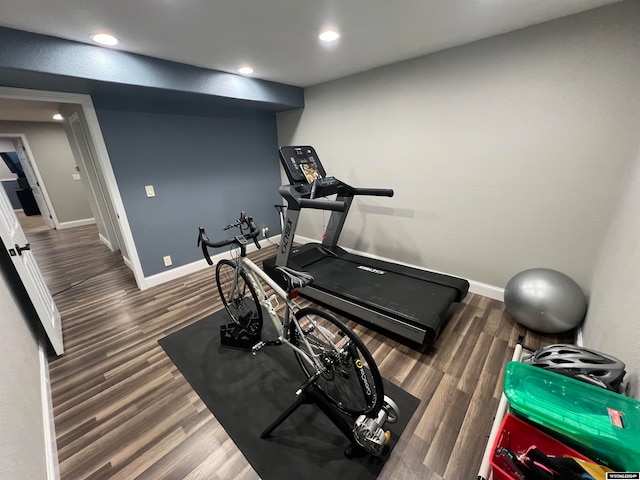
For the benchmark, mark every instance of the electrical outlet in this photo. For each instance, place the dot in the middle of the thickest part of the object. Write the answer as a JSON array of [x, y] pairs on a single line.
[[150, 191], [265, 231], [167, 261]]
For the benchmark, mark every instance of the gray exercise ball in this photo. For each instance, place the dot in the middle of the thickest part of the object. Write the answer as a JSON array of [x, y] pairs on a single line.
[[545, 300]]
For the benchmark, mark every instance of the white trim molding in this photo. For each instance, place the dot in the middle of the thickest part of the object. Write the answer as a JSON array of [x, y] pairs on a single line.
[[479, 288], [77, 223], [177, 272], [107, 243], [486, 290], [50, 444]]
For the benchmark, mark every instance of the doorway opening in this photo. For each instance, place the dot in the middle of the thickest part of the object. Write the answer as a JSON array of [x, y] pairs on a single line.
[[92, 166], [23, 183]]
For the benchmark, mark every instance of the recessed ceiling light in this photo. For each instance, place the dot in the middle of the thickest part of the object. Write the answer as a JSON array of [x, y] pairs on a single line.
[[246, 70], [105, 39], [58, 117], [329, 36]]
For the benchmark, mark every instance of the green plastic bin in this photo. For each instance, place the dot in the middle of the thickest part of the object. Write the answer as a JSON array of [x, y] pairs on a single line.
[[601, 424]]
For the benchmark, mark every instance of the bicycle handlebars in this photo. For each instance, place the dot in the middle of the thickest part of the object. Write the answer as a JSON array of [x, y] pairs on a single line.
[[240, 240]]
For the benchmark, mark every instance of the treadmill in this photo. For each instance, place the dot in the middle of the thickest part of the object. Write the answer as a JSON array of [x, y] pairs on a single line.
[[407, 301]]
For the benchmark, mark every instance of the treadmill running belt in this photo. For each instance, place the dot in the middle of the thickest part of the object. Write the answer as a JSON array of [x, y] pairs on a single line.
[[415, 300]]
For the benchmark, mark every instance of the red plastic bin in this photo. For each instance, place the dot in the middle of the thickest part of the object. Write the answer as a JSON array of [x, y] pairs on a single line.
[[520, 436]]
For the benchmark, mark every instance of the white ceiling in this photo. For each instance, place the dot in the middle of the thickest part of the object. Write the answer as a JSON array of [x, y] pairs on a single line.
[[279, 37], [27, 111]]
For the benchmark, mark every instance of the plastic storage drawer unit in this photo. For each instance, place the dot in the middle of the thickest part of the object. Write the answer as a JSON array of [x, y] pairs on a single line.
[[518, 436], [603, 425]]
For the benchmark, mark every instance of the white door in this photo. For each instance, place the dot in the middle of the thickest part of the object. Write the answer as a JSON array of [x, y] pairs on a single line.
[[30, 173], [105, 218], [16, 245]]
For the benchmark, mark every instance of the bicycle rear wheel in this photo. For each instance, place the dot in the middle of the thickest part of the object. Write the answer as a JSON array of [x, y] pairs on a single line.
[[351, 380], [241, 303]]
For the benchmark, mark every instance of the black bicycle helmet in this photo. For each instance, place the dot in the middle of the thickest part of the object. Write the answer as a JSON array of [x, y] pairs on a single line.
[[581, 363]]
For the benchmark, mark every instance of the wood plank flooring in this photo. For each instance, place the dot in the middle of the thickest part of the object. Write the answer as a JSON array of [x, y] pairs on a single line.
[[123, 410]]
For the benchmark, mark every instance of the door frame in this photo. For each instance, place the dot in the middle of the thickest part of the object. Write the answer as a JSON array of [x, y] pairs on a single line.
[[105, 216], [34, 167], [102, 163]]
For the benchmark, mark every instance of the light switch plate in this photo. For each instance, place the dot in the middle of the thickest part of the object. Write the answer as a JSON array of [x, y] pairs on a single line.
[[167, 261], [150, 191]]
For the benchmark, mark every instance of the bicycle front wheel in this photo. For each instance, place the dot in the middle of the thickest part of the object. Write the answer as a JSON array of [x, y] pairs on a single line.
[[350, 379], [239, 297]]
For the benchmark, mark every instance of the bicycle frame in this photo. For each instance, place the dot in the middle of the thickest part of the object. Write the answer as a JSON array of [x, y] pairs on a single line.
[[282, 327], [366, 432]]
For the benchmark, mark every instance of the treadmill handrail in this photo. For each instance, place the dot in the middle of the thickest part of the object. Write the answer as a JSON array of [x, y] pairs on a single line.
[[373, 192], [295, 201], [334, 205]]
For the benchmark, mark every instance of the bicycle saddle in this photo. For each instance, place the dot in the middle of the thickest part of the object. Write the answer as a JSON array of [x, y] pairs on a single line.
[[294, 278]]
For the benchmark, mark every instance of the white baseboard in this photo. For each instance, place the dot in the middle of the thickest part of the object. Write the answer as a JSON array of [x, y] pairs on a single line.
[[485, 290], [479, 288], [106, 242], [50, 444], [76, 223], [181, 271], [127, 262], [18, 209]]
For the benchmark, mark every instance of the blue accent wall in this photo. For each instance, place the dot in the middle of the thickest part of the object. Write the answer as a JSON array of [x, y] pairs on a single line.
[[205, 166], [206, 140]]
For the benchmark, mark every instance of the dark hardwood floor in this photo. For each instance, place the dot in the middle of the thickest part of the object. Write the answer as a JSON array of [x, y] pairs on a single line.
[[122, 409]]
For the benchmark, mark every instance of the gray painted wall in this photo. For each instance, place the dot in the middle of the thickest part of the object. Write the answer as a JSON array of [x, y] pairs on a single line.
[[22, 450], [205, 170], [505, 154], [612, 324], [56, 164]]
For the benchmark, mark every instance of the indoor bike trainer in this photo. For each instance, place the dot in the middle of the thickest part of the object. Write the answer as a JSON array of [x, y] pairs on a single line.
[[407, 301]]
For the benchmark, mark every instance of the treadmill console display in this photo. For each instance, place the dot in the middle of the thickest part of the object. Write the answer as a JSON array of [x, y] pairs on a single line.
[[301, 164]]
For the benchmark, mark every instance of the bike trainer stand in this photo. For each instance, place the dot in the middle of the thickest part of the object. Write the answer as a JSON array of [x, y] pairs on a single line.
[[233, 336], [310, 394]]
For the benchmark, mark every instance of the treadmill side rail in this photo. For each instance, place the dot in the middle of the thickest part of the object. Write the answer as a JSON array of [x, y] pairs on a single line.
[[387, 322]]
